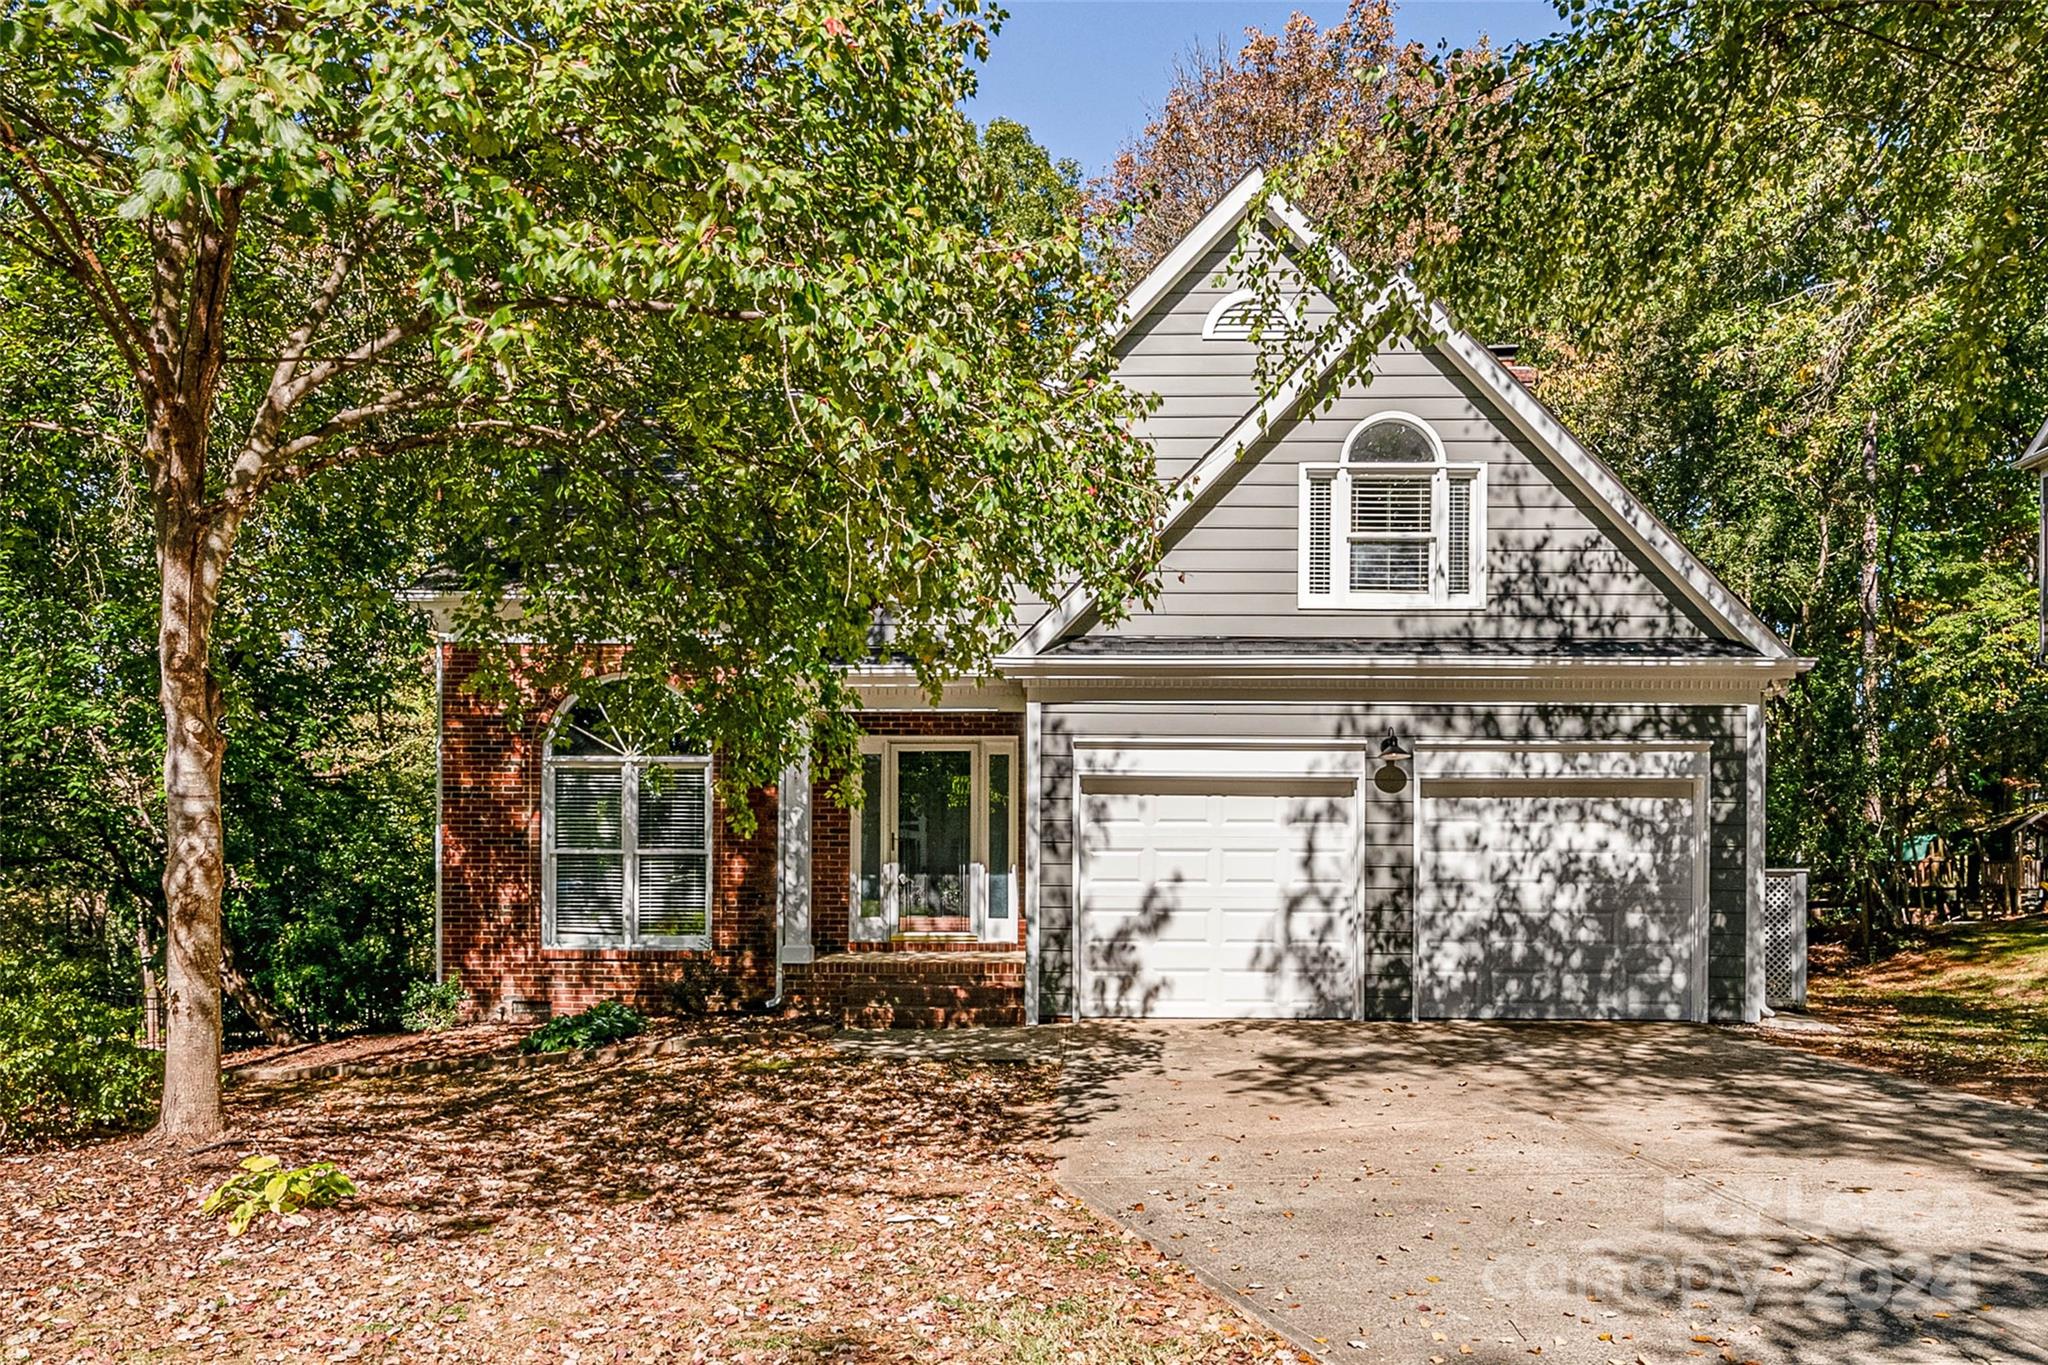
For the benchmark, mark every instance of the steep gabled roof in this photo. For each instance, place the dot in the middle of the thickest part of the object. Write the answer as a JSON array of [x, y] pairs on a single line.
[[1636, 524]]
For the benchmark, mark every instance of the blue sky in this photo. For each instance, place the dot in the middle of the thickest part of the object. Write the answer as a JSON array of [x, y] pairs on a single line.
[[1086, 75]]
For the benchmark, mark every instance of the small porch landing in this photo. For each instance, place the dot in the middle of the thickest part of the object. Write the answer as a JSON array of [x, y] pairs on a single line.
[[950, 989]]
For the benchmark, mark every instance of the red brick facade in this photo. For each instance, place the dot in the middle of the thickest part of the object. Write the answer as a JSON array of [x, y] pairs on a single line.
[[491, 891], [491, 879]]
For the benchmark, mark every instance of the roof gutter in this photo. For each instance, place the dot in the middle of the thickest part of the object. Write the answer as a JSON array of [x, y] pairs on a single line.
[[1049, 668]]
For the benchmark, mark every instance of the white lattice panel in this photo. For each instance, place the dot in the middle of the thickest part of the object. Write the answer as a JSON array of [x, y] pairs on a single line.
[[1785, 937]]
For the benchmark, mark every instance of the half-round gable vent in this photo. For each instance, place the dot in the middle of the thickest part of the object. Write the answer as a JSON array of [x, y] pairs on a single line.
[[1235, 317]]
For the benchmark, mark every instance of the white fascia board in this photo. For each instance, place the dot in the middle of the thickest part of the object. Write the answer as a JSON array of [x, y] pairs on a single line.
[[895, 687], [1421, 667], [2036, 454], [1206, 235], [1586, 470], [440, 606], [1595, 480]]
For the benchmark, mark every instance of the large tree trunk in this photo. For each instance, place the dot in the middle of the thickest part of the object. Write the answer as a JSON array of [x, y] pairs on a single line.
[[1868, 604], [195, 534], [195, 869]]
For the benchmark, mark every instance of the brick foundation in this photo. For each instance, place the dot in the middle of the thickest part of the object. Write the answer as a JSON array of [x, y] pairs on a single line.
[[911, 989]]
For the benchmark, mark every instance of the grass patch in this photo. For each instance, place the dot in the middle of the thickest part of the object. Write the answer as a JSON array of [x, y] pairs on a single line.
[[1966, 1006]]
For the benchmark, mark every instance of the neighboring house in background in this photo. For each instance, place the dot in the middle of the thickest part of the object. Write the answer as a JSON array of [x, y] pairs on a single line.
[[2035, 457], [1430, 718]]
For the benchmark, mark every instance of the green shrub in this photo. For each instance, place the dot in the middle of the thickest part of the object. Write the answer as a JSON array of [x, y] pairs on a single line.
[[262, 1186], [432, 1006], [605, 1022], [69, 1065]]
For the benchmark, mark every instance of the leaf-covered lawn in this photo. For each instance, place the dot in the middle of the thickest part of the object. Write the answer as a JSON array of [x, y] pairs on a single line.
[[768, 1199], [1968, 1008]]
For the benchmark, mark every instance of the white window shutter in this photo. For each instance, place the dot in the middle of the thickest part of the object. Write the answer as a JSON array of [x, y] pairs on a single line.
[[1319, 537], [1458, 537]]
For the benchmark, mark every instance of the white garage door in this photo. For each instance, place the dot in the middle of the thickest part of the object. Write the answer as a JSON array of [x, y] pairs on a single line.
[[1567, 896], [1211, 898]]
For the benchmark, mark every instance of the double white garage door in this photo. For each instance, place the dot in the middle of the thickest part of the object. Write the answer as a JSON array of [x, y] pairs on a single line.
[[1546, 883]]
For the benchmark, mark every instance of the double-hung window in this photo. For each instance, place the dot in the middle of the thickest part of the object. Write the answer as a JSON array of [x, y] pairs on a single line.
[[625, 839], [1393, 523]]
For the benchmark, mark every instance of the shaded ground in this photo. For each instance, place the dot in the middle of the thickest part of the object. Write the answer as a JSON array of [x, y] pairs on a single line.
[[770, 1200], [1578, 1192], [472, 1040], [1969, 1008]]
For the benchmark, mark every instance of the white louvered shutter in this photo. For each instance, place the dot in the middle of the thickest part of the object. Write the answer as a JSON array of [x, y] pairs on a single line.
[[1319, 535], [590, 857], [1458, 536]]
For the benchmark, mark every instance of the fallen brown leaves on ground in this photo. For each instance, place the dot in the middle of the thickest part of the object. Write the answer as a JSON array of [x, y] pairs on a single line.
[[763, 1198], [382, 1048]]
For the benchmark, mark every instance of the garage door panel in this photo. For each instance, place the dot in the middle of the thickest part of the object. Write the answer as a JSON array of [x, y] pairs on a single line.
[[1555, 899], [1239, 900], [1478, 926]]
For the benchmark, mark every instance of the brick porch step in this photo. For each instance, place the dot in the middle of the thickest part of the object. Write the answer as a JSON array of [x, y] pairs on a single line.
[[911, 989]]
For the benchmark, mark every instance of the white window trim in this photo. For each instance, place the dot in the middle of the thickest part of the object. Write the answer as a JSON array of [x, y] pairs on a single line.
[[887, 748], [1340, 476], [629, 834]]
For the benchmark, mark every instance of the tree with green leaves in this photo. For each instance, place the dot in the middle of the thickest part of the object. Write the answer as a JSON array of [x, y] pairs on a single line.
[[1033, 196], [686, 315]]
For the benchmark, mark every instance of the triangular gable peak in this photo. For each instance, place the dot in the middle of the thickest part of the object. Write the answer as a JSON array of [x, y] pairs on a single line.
[[1214, 430]]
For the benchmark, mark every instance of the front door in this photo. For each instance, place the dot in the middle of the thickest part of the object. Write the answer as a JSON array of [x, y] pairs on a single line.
[[933, 841]]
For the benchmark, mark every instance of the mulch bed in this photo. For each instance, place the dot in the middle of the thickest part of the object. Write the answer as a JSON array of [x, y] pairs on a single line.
[[771, 1199]]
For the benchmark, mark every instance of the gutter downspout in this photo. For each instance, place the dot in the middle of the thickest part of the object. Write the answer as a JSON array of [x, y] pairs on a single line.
[[440, 745]]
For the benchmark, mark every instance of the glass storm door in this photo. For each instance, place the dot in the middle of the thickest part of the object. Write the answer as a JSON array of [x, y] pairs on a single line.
[[935, 842], [933, 812]]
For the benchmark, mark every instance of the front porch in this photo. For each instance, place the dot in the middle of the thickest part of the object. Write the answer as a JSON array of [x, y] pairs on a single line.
[[911, 987]]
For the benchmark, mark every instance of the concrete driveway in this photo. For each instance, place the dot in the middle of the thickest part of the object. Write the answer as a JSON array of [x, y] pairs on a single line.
[[1570, 1192]]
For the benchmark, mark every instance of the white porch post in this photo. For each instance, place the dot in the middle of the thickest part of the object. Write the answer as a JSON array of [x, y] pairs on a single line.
[[1753, 881], [793, 850], [1028, 774]]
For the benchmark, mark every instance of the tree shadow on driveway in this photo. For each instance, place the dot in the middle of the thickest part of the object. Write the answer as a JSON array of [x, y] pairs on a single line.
[[1785, 1206]]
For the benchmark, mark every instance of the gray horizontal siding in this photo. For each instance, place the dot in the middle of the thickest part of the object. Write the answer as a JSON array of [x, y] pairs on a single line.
[[1555, 572], [1390, 870]]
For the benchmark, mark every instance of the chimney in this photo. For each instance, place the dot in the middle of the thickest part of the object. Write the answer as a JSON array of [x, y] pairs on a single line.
[[1505, 352]]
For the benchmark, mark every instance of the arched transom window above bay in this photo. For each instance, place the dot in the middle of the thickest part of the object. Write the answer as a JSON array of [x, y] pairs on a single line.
[[1394, 524]]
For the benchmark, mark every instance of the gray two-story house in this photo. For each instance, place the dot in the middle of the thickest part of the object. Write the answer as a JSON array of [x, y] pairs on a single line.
[[1430, 718]]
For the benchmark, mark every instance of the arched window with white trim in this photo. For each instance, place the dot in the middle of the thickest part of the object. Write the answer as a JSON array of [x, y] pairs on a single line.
[[1393, 524], [625, 836]]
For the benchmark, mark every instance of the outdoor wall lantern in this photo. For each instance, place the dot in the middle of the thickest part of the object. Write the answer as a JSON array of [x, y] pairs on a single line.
[[1392, 778]]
